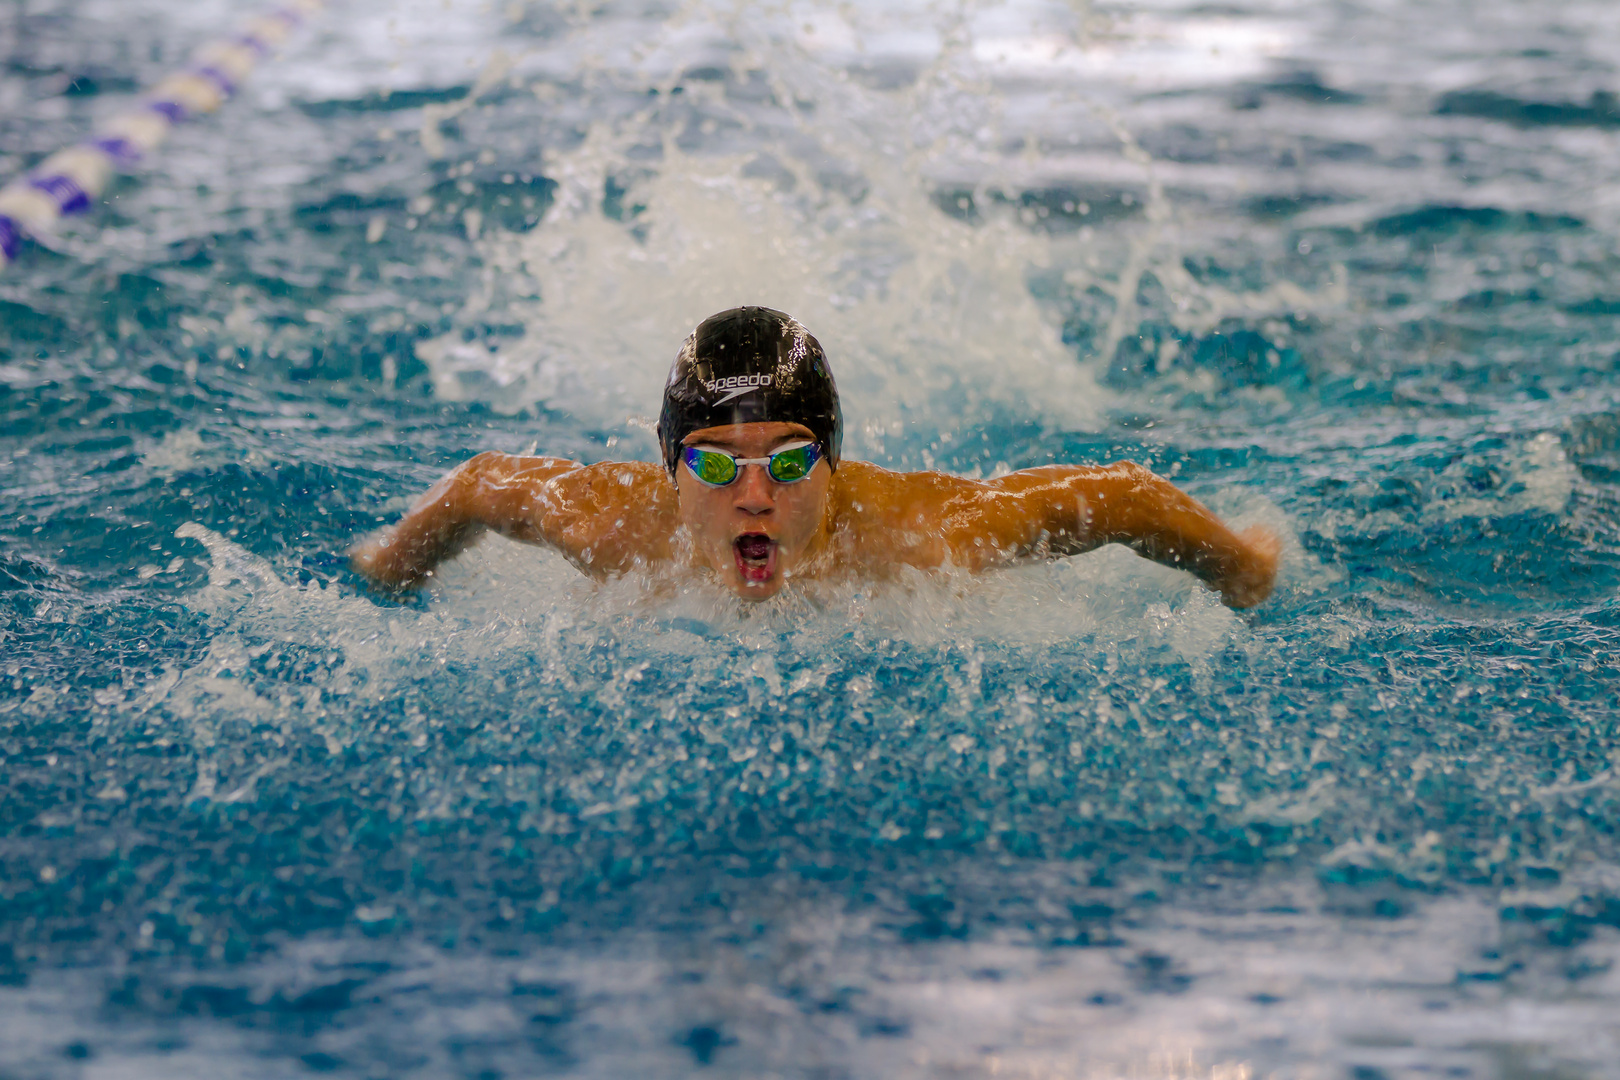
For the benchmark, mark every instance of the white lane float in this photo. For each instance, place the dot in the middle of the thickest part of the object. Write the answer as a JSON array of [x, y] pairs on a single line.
[[71, 180]]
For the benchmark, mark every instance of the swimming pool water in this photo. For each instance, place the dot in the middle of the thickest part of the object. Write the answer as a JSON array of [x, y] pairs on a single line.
[[1348, 270]]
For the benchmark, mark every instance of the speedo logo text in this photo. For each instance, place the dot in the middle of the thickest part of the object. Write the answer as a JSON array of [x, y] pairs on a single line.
[[736, 385]]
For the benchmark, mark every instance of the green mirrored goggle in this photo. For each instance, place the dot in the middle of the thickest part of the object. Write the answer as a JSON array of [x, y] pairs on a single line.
[[788, 465]]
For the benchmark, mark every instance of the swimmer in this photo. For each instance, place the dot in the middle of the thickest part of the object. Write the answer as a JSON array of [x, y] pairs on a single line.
[[753, 492]]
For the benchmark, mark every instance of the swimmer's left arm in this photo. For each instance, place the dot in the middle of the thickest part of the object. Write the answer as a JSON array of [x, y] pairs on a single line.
[[1059, 510]]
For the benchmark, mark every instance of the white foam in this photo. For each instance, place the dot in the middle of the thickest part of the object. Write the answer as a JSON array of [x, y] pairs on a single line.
[[1110, 596], [917, 310], [174, 452], [830, 215], [504, 602], [1538, 478]]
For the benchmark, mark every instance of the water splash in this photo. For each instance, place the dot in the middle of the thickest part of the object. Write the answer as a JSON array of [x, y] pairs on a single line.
[[834, 212]]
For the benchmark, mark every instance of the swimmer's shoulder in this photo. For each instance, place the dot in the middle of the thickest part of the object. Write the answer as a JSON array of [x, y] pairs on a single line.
[[908, 516], [864, 491], [858, 486], [612, 517], [615, 485]]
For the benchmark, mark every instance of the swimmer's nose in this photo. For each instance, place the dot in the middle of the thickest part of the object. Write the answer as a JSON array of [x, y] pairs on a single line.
[[754, 491]]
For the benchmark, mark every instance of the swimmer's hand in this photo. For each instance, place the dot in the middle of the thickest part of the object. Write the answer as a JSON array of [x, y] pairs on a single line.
[[1255, 573], [376, 560]]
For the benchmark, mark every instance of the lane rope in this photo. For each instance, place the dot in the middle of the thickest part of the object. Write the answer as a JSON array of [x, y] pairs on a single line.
[[70, 181]]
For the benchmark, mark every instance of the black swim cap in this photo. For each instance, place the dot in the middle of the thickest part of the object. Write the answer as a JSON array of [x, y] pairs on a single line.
[[746, 365]]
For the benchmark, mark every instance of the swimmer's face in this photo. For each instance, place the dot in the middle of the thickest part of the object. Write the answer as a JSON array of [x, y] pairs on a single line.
[[754, 532]]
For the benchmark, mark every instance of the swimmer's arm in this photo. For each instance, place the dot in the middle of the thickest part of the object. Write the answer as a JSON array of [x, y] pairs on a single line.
[[491, 491], [1062, 510]]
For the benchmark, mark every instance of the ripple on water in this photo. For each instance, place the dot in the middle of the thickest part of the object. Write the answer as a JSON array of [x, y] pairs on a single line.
[[1332, 269]]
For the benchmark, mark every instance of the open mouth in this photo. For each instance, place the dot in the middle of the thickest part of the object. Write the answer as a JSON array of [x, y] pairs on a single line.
[[756, 557]]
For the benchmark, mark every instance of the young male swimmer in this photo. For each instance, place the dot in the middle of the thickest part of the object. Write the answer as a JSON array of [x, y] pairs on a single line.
[[753, 492]]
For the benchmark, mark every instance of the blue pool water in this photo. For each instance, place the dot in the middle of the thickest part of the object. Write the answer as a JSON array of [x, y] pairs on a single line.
[[1348, 269]]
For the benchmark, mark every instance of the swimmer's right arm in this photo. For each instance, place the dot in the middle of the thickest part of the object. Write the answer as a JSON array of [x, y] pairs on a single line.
[[500, 492]]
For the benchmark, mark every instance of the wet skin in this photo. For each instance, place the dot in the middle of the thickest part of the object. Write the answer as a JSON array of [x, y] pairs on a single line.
[[755, 535]]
